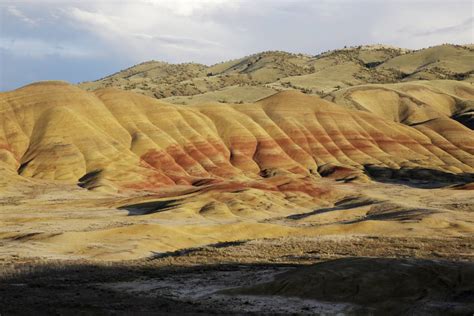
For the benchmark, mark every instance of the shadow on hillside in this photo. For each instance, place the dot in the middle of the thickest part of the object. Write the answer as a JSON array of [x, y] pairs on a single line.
[[379, 210], [187, 251], [62, 288], [466, 119], [150, 207], [417, 177], [407, 285], [345, 204]]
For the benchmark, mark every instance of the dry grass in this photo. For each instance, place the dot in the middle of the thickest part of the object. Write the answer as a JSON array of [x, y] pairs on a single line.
[[320, 74]]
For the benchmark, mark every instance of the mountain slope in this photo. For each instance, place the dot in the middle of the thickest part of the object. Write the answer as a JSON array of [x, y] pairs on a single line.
[[276, 71]]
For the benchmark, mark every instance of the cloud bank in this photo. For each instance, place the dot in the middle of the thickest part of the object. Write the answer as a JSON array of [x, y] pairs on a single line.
[[85, 40]]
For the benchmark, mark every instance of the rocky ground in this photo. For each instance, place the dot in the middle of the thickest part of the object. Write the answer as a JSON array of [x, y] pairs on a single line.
[[205, 280]]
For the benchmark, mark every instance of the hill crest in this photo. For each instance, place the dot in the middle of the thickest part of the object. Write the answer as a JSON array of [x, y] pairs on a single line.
[[272, 71]]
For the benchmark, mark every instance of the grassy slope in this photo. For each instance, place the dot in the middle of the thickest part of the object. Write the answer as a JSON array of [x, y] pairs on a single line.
[[274, 71]]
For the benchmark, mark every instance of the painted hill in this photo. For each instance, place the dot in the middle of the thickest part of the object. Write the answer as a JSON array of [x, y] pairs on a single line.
[[112, 139], [113, 174]]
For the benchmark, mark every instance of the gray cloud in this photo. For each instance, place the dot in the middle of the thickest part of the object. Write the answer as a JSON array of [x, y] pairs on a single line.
[[467, 25], [85, 40], [14, 11], [186, 41]]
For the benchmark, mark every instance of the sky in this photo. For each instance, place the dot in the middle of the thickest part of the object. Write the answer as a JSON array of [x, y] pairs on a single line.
[[88, 39]]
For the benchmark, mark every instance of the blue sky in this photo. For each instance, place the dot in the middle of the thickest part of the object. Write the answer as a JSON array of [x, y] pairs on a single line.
[[86, 40]]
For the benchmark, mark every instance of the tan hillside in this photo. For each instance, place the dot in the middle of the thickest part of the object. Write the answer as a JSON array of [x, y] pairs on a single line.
[[112, 174], [412, 102], [277, 71], [438, 62], [56, 131]]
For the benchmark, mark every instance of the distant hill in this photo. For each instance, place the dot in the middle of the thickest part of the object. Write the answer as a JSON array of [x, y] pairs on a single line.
[[273, 71]]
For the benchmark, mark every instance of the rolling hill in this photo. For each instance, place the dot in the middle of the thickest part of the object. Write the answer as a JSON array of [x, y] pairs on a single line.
[[273, 71]]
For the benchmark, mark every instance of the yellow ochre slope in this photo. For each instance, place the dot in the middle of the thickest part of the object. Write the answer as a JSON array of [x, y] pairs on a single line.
[[116, 140]]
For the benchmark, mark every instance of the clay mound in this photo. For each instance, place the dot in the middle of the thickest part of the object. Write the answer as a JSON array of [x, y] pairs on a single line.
[[401, 286], [117, 140], [411, 103]]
